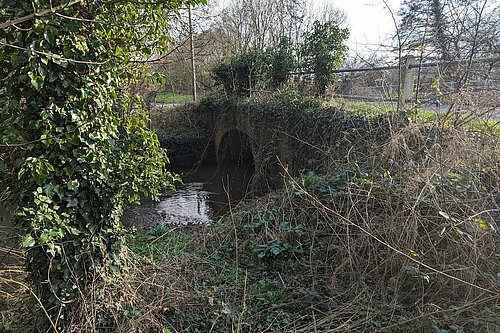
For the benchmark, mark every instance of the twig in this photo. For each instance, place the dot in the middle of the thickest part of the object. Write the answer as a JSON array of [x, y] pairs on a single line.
[[4, 280], [349, 222], [46, 12]]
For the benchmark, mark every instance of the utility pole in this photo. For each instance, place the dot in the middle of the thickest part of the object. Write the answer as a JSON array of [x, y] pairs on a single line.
[[193, 67]]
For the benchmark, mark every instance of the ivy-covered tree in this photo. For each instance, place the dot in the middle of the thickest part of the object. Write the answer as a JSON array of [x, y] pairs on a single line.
[[323, 51], [280, 62], [74, 146], [240, 73]]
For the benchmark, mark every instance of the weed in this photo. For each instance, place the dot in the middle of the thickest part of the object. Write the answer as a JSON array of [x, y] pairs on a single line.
[[404, 241]]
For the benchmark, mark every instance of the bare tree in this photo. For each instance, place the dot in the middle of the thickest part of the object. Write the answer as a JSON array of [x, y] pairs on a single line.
[[258, 24]]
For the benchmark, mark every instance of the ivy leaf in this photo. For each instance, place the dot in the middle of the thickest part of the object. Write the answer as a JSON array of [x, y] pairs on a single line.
[[49, 190], [44, 238], [73, 185], [73, 230], [69, 171], [58, 60], [36, 81], [52, 77], [49, 35], [16, 60], [28, 241], [275, 250], [43, 70], [72, 203]]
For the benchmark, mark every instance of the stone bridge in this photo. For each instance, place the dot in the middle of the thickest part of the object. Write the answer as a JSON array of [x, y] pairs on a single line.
[[281, 137]]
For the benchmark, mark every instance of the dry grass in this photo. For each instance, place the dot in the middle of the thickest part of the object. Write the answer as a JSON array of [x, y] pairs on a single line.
[[133, 301], [408, 242]]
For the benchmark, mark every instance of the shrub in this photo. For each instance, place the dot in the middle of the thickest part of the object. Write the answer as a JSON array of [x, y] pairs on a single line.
[[240, 74], [323, 51]]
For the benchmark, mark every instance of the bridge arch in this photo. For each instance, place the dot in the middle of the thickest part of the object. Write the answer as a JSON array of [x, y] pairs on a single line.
[[234, 146]]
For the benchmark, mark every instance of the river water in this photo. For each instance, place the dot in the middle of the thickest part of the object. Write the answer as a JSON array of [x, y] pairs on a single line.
[[206, 194]]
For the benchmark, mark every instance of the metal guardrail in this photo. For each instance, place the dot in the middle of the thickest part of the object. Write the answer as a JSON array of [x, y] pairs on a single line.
[[410, 66], [411, 80], [408, 81]]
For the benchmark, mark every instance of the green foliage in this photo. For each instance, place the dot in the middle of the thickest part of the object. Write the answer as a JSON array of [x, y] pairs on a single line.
[[310, 180], [323, 51], [281, 63], [275, 249], [159, 243], [289, 102], [75, 148], [240, 73]]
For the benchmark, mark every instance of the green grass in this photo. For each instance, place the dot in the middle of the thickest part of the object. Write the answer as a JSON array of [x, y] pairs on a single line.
[[159, 243], [371, 110], [166, 97], [465, 121], [423, 115]]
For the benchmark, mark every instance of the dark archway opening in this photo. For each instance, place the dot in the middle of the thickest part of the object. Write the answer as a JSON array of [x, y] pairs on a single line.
[[235, 168], [236, 148]]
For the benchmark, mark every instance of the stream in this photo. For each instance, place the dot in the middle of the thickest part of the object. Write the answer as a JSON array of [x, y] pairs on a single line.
[[206, 194]]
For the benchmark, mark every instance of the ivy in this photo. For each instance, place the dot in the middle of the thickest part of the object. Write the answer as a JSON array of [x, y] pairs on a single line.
[[75, 149], [323, 52], [240, 73], [281, 62]]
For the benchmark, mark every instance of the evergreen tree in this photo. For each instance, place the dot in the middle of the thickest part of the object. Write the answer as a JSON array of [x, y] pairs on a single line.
[[450, 29], [423, 24]]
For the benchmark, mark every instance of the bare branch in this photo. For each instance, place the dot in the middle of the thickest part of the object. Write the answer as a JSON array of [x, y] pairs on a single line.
[[42, 13]]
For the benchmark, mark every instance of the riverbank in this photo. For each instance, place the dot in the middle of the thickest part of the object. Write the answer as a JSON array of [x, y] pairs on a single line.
[[404, 240], [206, 193], [399, 234]]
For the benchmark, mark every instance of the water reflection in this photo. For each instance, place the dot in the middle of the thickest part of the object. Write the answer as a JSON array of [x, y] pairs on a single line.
[[206, 194]]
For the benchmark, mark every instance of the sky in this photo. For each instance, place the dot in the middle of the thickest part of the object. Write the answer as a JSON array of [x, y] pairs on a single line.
[[369, 21]]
